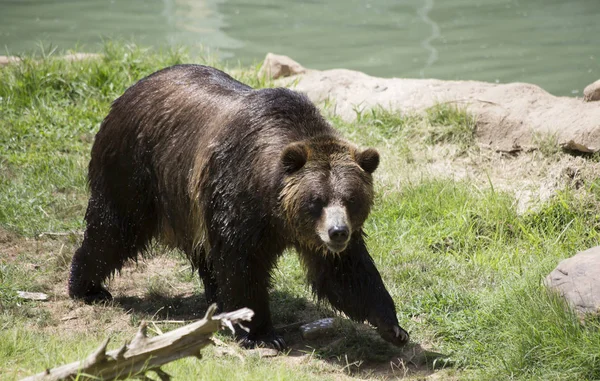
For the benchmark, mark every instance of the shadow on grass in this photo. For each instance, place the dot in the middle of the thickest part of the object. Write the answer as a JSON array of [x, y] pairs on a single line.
[[163, 307], [356, 348]]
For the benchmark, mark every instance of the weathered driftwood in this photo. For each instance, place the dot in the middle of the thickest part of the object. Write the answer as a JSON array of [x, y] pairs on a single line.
[[144, 353]]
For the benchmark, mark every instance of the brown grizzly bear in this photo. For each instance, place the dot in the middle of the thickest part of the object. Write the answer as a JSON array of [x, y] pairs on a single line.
[[232, 176]]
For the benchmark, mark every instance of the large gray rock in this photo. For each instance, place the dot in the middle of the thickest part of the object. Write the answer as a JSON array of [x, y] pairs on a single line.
[[509, 117], [577, 279]]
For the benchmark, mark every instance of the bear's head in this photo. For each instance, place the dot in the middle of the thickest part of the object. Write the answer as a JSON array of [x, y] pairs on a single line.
[[327, 192]]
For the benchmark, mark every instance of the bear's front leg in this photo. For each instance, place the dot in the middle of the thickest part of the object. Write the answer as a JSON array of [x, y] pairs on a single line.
[[352, 284], [245, 283]]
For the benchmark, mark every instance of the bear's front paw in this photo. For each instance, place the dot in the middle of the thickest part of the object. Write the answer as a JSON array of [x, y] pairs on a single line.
[[96, 294], [394, 334], [271, 340]]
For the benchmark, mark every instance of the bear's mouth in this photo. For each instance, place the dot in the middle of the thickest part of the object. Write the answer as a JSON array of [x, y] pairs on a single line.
[[336, 247]]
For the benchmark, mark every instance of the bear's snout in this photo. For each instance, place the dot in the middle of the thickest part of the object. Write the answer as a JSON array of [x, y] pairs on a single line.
[[335, 229]]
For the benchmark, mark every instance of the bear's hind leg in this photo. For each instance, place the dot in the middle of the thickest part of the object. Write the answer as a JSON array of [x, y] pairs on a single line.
[[109, 241], [85, 284], [211, 290]]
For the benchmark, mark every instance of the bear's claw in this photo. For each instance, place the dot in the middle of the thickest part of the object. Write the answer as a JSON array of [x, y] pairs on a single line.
[[269, 341], [395, 335]]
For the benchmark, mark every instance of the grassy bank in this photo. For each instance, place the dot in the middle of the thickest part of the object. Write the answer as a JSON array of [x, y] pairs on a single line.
[[463, 265]]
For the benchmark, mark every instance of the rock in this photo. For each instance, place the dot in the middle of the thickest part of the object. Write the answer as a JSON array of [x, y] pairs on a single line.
[[5, 60], [32, 295], [509, 117], [317, 329], [577, 279], [592, 92], [265, 352], [277, 66]]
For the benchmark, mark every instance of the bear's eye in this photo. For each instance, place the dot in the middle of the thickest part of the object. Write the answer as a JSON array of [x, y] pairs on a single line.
[[354, 203], [315, 206]]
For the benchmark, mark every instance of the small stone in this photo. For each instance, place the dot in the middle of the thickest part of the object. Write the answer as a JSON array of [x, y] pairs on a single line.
[[32, 295], [277, 66], [577, 279], [319, 328], [5, 60], [265, 352], [592, 92]]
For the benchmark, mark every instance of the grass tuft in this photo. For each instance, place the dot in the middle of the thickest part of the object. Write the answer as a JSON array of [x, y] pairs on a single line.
[[451, 124], [546, 144]]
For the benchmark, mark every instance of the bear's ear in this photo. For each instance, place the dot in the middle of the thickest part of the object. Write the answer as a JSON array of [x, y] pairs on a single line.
[[368, 160], [294, 157]]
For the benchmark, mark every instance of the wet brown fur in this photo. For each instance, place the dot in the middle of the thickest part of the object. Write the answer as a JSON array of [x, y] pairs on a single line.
[[231, 176]]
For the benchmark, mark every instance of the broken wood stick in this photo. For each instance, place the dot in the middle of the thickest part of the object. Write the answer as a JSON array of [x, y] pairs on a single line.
[[144, 353]]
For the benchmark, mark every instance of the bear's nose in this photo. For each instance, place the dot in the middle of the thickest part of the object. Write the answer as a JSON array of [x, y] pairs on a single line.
[[339, 233]]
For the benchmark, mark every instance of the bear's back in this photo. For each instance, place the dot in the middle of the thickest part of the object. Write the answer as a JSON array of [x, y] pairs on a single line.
[[198, 76]]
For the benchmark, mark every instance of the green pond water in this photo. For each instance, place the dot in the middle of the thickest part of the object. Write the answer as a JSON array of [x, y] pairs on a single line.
[[552, 43]]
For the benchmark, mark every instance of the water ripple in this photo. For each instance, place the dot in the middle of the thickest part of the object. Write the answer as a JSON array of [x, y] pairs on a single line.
[[435, 33]]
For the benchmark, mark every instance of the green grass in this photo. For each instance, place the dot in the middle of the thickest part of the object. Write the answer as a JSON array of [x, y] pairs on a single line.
[[464, 268], [471, 269], [50, 110], [442, 123]]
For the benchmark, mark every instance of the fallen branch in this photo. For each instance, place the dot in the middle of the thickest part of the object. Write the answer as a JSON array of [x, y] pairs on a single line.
[[60, 234], [145, 354], [171, 321]]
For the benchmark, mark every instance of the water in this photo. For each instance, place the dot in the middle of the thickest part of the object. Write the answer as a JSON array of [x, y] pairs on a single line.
[[552, 43]]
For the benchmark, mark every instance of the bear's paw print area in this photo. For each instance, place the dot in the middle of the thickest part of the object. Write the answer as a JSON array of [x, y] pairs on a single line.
[[317, 329]]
